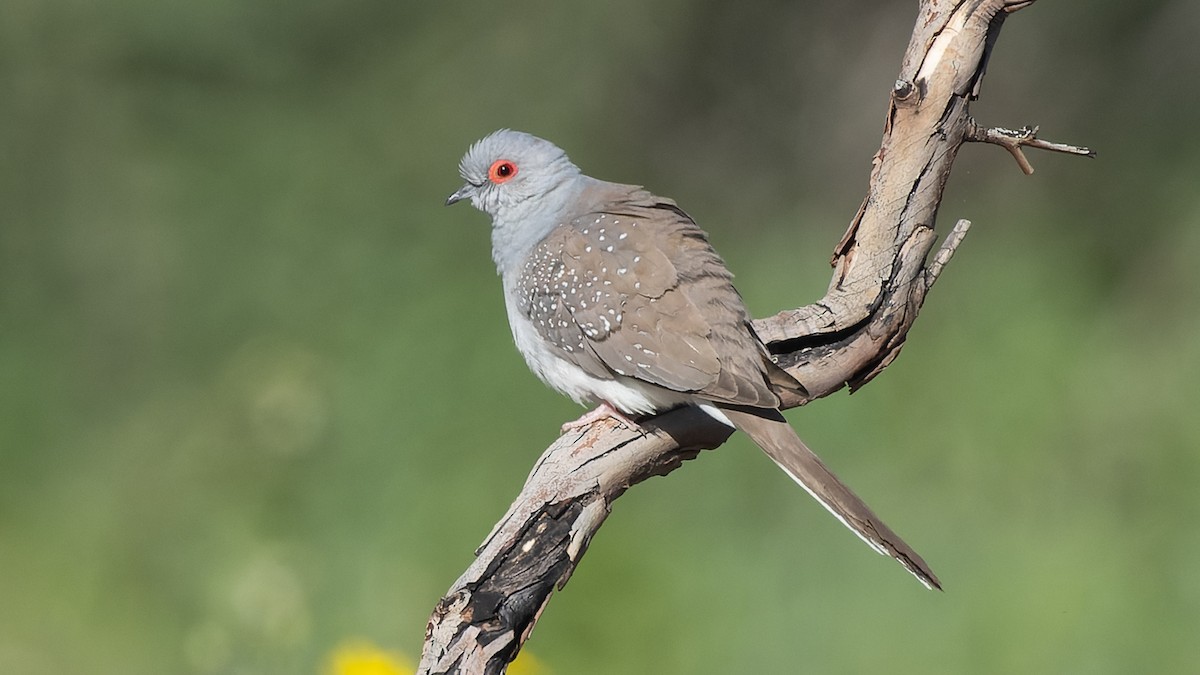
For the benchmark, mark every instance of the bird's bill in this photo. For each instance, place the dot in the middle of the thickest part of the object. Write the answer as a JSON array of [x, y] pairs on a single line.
[[462, 193]]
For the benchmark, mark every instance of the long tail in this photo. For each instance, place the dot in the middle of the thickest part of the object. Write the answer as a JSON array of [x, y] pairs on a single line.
[[771, 432]]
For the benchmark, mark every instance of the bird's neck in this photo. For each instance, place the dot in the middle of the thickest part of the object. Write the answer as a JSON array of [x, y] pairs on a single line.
[[517, 228]]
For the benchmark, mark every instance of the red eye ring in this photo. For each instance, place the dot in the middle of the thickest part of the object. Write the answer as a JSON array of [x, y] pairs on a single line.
[[501, 171]]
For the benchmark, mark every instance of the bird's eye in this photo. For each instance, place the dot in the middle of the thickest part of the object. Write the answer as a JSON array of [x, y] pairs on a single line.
[[501, 170]]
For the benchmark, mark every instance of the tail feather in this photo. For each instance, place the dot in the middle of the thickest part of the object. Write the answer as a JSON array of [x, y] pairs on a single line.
[[771, 432]]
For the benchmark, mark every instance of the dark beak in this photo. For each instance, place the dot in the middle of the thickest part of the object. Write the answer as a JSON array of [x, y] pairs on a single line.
[[462, 193]]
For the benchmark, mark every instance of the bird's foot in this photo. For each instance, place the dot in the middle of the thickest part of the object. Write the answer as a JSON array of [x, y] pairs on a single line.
[[602, 411]]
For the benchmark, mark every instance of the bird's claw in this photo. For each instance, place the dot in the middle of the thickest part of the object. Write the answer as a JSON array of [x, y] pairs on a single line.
[[600, 412]]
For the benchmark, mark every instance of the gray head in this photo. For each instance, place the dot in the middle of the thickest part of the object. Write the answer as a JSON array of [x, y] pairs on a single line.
[[526, 184], [507, 167]]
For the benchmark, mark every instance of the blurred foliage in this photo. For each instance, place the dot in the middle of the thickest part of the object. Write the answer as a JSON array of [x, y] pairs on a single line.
[[259, 395]]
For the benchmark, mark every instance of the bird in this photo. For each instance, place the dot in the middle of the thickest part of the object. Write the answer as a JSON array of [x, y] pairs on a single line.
[[616, 298]]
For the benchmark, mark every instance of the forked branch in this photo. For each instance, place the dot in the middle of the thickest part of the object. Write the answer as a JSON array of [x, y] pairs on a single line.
[[882, 273]]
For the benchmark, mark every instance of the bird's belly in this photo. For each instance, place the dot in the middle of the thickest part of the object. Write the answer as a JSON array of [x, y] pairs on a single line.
[[627, 394]]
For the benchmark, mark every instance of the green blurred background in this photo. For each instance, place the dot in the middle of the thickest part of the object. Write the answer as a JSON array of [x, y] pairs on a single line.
[[259, 397]]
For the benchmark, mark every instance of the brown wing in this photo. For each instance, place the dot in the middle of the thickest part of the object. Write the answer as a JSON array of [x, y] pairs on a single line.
[[636, 290]]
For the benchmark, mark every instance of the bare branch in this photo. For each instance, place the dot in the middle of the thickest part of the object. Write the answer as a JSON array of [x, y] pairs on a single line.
[[1014, 139], [882, 272], [956, 236], [488, 613]]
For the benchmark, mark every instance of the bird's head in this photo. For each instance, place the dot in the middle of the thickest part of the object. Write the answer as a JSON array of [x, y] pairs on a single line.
[[509, 173]]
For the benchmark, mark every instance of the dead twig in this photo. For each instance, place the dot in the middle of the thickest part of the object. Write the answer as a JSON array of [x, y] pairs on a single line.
[[1014, 139]]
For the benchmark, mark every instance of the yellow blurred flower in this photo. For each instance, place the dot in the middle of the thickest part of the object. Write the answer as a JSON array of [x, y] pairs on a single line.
[[527, 664], [361, 657]]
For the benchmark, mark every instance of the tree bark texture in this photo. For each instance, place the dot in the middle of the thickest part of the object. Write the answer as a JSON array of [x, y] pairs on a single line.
[[882, 270]]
